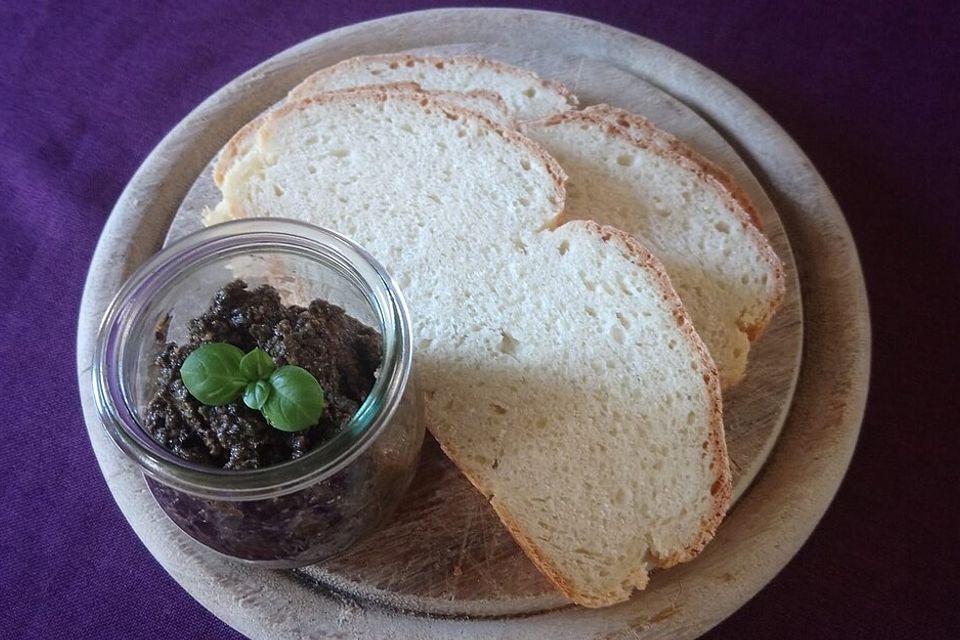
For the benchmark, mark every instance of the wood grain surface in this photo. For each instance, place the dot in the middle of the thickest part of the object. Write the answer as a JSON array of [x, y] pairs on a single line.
[[445, 552]]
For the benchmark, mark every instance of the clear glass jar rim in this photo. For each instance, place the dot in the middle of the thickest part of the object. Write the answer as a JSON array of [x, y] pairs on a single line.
[[263, 234]]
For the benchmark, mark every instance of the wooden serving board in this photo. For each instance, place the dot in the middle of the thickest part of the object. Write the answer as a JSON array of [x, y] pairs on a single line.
[[445, 553]]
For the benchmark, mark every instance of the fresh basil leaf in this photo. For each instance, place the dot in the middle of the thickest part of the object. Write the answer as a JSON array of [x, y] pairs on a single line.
[[212, 373], [296, 401], [256, 394], [256, 365]]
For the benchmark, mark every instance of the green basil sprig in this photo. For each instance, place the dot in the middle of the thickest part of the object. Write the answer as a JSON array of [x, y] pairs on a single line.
[[217, 373], [212, 373], [296, 401]]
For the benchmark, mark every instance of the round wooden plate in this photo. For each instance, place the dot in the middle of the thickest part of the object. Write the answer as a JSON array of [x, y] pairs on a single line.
[[445, 551]]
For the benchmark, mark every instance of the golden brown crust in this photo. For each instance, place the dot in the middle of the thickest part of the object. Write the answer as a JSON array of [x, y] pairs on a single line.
[[238, 145], [670, 148], [411, 87], [408, 60], [491, 96]]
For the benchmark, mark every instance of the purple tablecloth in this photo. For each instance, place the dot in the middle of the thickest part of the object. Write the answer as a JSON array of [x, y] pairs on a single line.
[[870, 89]]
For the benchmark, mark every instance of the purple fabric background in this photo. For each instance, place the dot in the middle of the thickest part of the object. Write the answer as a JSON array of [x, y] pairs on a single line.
[[870, 89]]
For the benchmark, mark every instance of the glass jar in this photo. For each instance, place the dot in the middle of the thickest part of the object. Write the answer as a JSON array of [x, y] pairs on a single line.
[[298, 512]]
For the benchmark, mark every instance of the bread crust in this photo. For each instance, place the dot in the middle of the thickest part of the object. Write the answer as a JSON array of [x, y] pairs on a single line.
[[440, 62], [492, 96], [722, 485], [617, 122], [236, 146]]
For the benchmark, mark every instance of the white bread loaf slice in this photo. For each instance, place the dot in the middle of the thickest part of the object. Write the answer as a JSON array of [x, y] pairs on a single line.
[[486, 103], [592, 423], [561, 371], [528, 96], [648, 184], [644, 132]]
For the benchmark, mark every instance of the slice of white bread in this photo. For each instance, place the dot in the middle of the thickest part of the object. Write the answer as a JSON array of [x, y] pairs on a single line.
[[486, 103], [561, 372], [645, 132], [528, 96], [592, 422], [645, 182]]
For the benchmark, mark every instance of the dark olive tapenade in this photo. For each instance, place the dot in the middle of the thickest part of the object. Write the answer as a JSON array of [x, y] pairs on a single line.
[[342, 353]]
